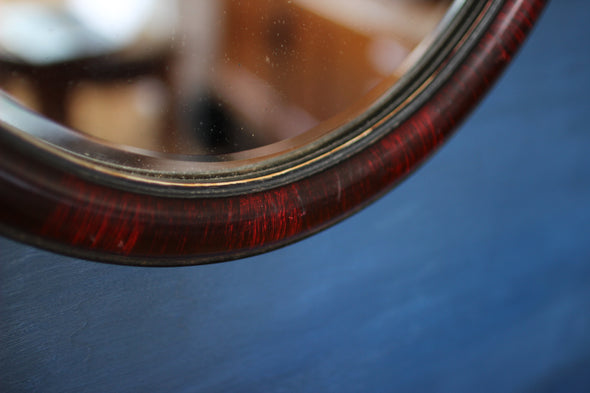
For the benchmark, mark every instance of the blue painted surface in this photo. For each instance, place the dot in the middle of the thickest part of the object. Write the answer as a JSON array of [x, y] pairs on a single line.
[[473, 275]]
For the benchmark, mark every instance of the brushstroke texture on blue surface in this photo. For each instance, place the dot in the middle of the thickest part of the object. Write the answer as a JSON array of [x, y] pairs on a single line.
[[473, 275]]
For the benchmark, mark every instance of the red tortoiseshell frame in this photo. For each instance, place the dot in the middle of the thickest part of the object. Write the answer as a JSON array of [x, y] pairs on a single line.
[[48, 206]]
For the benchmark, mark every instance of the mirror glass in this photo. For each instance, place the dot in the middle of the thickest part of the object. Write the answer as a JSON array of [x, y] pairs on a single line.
[[209, 77]]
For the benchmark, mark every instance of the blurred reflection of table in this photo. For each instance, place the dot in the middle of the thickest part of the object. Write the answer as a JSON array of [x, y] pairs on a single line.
[[51, 50]]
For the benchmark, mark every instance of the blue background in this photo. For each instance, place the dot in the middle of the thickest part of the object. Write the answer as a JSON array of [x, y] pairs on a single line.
[[473, 275]]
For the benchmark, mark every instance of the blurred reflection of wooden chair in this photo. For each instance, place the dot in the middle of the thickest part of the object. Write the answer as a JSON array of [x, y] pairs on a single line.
[[54, 49], [53, 82]]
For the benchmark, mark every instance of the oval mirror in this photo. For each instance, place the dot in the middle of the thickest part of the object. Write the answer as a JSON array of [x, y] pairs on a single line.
[[179, 132]]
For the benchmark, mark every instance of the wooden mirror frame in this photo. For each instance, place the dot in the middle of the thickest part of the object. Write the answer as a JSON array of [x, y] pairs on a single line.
[[109, 213]]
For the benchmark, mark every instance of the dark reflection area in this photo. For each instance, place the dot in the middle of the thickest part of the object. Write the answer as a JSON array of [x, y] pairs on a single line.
[[217, 129], [208, 77]]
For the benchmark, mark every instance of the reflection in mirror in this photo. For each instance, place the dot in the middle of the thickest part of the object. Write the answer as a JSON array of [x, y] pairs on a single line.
[[207, 77]]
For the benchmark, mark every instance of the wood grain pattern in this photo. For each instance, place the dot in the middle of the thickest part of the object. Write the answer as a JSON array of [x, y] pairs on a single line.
[[48, 207]]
